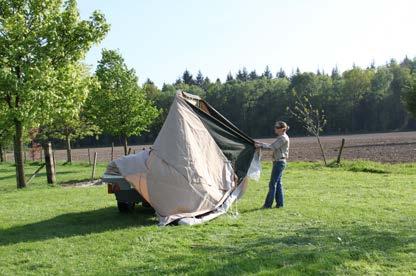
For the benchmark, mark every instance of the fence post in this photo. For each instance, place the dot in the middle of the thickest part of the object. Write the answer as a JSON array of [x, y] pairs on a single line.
[[50, 168], [112, 151], [89, 157], [93, 167], [340, 151]]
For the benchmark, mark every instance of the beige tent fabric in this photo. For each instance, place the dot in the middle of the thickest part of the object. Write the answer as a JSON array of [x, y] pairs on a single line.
[[133, 168], [139, 182], [187, 173]]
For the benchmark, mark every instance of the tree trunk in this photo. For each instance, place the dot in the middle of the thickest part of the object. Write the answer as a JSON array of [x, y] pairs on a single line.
[[49, 160], [125, 144], [1, 153], [322, 149], [18, 155], [68, 150]]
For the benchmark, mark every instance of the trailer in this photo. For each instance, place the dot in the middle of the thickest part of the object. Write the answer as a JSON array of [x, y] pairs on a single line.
[[126, 195]]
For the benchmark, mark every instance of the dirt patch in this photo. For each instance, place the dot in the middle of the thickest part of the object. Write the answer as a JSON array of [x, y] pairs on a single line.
[[81, 184]]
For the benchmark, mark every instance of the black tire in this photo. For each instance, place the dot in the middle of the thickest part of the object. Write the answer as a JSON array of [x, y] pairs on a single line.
[[146, 204], [125, 207]]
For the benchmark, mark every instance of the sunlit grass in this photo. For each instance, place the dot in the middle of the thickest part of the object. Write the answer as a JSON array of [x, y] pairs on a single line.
[[357, 218]]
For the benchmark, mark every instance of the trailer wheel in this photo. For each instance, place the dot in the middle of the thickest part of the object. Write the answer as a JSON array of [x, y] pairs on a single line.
[[146, 204], [125, 207]]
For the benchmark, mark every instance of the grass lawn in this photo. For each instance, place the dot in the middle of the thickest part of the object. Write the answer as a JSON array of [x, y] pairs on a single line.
[[356, 219]]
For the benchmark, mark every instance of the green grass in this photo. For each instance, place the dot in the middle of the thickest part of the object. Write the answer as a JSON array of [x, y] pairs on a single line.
[[358, 218]]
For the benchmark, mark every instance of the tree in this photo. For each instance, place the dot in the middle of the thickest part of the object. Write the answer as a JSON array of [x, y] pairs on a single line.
[[151, 90], [335, 73], [253, 75], [229, 77], [72, 124], [267, 74], [119, 107], [68, 129], [281, 74], [188, 78], [242, 75], [206, 83], [410, 97], [178, 81], [199, 80], [40, 45], [312, 119]]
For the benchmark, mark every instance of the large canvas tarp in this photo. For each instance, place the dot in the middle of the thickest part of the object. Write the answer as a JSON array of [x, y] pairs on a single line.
[[236, 146], [198, 160]]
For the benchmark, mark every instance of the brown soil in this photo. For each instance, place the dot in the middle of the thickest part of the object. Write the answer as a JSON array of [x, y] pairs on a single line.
[[391, 147]]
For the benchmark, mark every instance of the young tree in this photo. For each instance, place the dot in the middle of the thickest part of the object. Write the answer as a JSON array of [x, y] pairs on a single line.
[[68, 129], [119, 107], [40, 41], [313, 120]]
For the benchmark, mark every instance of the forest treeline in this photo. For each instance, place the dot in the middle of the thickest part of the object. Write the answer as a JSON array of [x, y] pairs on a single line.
[[354, 101], [358, 100]]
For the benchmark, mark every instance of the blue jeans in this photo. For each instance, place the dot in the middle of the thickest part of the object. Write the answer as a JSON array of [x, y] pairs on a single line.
[[275, 185]]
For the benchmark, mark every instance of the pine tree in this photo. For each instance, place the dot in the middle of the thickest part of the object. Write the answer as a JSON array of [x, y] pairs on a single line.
[[206, 83], [229, 77], [267, 74], [242, 75], [148, 81], [199, 79], [335, 73], [188, 78], [281, 74], [253, 75]]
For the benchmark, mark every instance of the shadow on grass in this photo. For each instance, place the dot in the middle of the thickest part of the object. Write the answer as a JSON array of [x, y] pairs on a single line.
[[75, 224], [359, 166], [39, 175], [368, 170], [8, 177], [307, 251]]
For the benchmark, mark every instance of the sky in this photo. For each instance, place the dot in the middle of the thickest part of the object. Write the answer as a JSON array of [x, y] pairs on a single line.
[[162, 38]]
